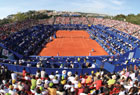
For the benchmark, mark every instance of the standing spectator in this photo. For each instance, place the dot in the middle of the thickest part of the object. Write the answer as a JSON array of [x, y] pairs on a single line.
[[80, 88], [61, 91], [86, 91], [33, 82], [14, 76], [58, 75], [51, 89], [112, 81], [24, 72], [98, 83], [27, 77], [122, 92], [51, 76], [38, 74], [132, 75], [26, 86], [43, 73], [138, 77], [38, 91]]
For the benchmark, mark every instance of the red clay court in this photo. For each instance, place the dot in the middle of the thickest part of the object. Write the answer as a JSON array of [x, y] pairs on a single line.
[[72, 43]]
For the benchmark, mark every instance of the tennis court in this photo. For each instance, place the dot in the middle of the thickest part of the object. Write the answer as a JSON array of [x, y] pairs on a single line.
[[72, 43]]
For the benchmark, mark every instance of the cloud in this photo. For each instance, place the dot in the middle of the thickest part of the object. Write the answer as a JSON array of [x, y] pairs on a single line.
[[100, 6], [117, 2]]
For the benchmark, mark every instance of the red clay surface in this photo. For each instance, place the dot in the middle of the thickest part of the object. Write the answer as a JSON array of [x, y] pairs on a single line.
[[72, 43]]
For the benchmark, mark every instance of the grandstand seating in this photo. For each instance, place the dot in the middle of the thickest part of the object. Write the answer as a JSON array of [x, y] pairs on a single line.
[[114, 40], [30, 41], [26, 41]]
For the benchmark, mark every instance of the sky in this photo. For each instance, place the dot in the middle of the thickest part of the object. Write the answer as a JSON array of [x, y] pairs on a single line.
[[110, 7]]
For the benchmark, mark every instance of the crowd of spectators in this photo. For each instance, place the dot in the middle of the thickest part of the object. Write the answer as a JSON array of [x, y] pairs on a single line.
[[79, 20], [47, 21], [126, 27], [62, 20], [7, 29], [123, 26], [71, 20], [125, 82]]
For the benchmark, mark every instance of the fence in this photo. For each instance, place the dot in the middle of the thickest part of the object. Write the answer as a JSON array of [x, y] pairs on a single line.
[[32, 70]]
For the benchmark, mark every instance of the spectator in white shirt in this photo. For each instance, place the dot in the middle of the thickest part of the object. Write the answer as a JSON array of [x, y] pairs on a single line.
[[43, 73], [14, 76]]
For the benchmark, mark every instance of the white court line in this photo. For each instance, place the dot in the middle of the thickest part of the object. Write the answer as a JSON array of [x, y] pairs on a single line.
[[86, 45], [61, 42], [82, 43]]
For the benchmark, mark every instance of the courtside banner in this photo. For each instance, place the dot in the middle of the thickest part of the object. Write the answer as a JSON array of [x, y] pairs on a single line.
[[99, 63], [109, 67], [5, 52], [137, 53]]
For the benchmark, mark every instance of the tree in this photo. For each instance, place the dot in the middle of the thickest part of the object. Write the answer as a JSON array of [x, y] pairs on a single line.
[[120, 17], [5, 21], [19, 17]]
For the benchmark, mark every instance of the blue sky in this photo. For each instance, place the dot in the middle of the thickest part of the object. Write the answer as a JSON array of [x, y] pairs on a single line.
[[111, 7]]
